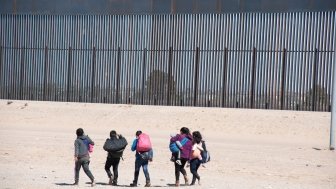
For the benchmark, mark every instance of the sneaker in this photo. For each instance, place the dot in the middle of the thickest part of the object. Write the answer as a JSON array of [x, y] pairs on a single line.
[[114, 184], [192, 182], [93, 184], [178, 162], [110, 181], [133, 184], [148, 184]]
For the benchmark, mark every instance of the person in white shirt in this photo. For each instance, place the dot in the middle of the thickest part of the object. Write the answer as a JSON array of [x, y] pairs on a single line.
[[195, 157]]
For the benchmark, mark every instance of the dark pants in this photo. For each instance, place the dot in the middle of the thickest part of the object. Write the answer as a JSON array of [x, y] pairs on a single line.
[[176, 155], [85, 163], [114, 163], [194, 165], [180, 168], [138, 163]]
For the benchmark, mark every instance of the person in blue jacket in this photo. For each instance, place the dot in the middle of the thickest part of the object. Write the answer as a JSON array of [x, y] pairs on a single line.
[[140, 162]]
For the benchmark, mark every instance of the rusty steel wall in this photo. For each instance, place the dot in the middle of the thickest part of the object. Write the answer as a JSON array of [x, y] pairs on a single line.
[[238, 60]]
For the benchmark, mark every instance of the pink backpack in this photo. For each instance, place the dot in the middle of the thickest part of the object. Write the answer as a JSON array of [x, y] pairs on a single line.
[[88, 145], [144, 143], [90, 148]]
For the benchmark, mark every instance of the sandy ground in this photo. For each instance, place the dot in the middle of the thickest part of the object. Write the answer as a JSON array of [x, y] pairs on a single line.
[[249, 148]]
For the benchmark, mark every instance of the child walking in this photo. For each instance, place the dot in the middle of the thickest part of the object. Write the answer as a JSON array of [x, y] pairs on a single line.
[[196, 157]]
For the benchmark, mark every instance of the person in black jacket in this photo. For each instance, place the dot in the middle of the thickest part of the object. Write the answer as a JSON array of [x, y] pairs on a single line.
[[81, 156], [117, 145]]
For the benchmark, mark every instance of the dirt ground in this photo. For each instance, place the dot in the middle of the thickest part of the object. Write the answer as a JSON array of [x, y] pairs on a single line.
[[252, 149]]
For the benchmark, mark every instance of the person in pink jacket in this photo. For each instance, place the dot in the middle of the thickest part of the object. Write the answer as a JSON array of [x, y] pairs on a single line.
[[185, 154]]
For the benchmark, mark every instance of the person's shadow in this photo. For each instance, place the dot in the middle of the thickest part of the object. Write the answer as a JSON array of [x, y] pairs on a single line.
[[105, 184], [173, 185], [88, 183], [64, 184]]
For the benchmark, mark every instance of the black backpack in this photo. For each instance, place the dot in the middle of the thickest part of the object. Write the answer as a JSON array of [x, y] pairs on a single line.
[[115, 145], [205, 153]]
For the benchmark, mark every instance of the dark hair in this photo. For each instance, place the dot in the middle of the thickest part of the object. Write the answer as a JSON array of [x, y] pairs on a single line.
[[138, 133], [197, 136], [79, 132], [113, 133], [185, 130]]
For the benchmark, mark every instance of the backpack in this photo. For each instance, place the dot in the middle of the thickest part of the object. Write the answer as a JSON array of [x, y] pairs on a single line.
[[147, 155], [144, 144], [115, 145], [88, 145], [205, 154], [173, 147]]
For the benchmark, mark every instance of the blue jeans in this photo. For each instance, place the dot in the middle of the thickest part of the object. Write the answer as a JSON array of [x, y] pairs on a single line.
[[194, 165], [138, 163]]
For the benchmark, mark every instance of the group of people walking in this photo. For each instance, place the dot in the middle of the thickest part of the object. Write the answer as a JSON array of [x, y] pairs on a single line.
[[189, 149]]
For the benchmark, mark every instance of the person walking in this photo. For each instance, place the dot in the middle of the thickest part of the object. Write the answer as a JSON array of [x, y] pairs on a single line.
[[184, 156], [196, 157], [141, 159], [81, 156], [115, 147]]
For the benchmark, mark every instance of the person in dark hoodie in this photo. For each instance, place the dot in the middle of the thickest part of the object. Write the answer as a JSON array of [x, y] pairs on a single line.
[[82, 157], [119, 143]]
